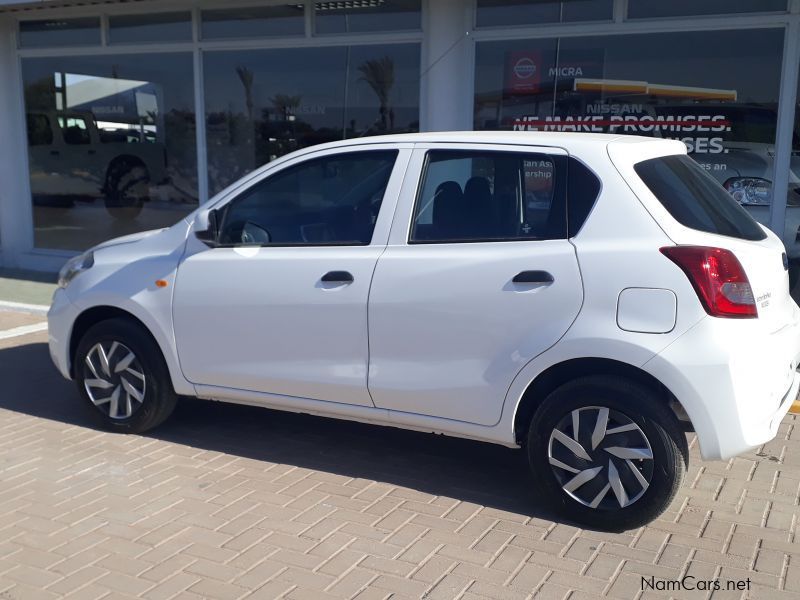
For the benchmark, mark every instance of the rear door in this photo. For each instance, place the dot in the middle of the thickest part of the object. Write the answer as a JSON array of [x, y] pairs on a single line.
[[478, 279]]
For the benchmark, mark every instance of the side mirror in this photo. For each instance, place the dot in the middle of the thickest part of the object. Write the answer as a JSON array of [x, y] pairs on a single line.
[[210, 235]]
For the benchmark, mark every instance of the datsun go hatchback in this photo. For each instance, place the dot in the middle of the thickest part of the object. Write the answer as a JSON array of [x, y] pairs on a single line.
[[585, 297]]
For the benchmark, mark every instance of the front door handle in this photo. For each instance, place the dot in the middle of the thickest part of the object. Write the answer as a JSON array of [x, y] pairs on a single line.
[[337, 277], [533, 277]]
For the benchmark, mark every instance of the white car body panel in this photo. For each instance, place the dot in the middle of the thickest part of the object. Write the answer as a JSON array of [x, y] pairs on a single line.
[[734, 378], [124, 276]]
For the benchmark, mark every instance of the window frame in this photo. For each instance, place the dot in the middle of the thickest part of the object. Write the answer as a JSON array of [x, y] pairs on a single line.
[[422, 152]]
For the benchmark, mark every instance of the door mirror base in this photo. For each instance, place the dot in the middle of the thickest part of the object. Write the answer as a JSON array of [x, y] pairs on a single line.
[[210, 235]]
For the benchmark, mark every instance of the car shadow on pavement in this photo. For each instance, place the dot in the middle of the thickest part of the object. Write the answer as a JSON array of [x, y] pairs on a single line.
[[469, 471]]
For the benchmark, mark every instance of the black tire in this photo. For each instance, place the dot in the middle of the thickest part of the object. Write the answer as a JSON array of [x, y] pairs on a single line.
[[127, 185], [627, 402], [158, 396]]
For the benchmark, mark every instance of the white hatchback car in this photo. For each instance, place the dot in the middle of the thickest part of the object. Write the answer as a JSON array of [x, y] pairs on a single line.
[[586, 297]]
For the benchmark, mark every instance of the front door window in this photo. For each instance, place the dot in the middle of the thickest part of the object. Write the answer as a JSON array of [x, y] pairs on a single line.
[[334, 200]]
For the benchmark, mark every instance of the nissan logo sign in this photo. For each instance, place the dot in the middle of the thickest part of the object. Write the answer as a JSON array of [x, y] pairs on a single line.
[[525, 68]]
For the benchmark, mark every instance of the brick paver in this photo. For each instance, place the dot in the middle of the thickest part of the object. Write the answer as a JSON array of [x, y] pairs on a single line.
[[228, 501]]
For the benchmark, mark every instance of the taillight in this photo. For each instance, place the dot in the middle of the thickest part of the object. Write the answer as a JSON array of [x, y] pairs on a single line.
[[718, 278]]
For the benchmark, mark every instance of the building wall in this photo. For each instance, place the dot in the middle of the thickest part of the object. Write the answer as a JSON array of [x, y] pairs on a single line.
[[466, 64]]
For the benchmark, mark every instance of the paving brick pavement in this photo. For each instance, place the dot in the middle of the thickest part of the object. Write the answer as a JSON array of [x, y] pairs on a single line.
[[237, 502]]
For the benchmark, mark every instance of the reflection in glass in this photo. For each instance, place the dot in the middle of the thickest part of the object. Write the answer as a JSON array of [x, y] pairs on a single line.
[[346, 17], [497, 13], [150, 27], [707, 89], [647, 9], [262, 104], [111, 146], [254, 21], [792, 226], [59, 32]]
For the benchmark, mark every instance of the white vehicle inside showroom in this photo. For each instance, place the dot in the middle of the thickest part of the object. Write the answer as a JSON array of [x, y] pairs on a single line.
[[585, 296]]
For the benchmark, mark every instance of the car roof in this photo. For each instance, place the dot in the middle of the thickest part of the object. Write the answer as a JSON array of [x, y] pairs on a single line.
[[561, 139]]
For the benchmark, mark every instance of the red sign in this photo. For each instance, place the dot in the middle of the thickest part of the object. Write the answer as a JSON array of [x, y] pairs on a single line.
[[523, 72]]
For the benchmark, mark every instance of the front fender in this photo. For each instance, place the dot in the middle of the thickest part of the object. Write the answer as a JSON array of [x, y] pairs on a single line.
[[124, 277]]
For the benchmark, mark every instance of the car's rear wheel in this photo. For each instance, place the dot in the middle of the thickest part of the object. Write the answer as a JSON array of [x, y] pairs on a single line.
[[607, 452], [123, 378]]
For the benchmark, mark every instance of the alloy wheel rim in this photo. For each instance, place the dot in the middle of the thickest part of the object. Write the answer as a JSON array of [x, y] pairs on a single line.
[[114, 379], [601, 458]]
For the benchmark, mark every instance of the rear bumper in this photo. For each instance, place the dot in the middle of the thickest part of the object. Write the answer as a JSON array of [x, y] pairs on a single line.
[[735, 381]]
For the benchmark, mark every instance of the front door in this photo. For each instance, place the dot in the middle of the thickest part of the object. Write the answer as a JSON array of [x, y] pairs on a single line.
[[280, 306], [478, 279]]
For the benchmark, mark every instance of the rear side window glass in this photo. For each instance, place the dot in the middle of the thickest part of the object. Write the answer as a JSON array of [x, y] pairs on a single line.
[[582, 191], [477, 196], [695, 199]]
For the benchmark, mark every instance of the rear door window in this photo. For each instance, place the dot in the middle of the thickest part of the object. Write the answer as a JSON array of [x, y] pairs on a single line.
[[486, 196], [695, 199]]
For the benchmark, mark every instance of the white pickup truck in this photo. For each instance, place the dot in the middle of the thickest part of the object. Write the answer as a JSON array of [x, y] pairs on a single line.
[[73, 160]]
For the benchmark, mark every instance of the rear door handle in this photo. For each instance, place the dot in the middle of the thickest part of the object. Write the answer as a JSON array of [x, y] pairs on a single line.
[[533, 277], [337, 277]]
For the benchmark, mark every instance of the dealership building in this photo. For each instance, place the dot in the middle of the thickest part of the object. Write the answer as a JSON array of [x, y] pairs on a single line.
[[120, 116]]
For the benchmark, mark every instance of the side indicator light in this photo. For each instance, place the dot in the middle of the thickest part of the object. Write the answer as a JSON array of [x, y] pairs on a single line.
[[161, 283]]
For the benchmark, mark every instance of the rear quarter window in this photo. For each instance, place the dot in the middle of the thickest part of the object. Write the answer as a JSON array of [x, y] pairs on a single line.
[[695, 199], [583, 188]]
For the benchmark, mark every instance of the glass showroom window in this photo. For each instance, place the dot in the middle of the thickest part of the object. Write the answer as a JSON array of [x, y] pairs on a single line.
[[262, 104], [502, 13], [83, 31], [708, 89], [253, 22], [792, 228], [367, 15], [648, 9], [150, 27], [111, 145]]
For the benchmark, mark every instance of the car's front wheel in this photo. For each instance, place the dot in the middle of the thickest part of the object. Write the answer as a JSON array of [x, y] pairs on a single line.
[[123, 378], [607, 452]]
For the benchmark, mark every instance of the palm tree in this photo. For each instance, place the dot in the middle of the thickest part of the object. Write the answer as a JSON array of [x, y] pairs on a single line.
[[379, 75], [246, 77], [285, 105]]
